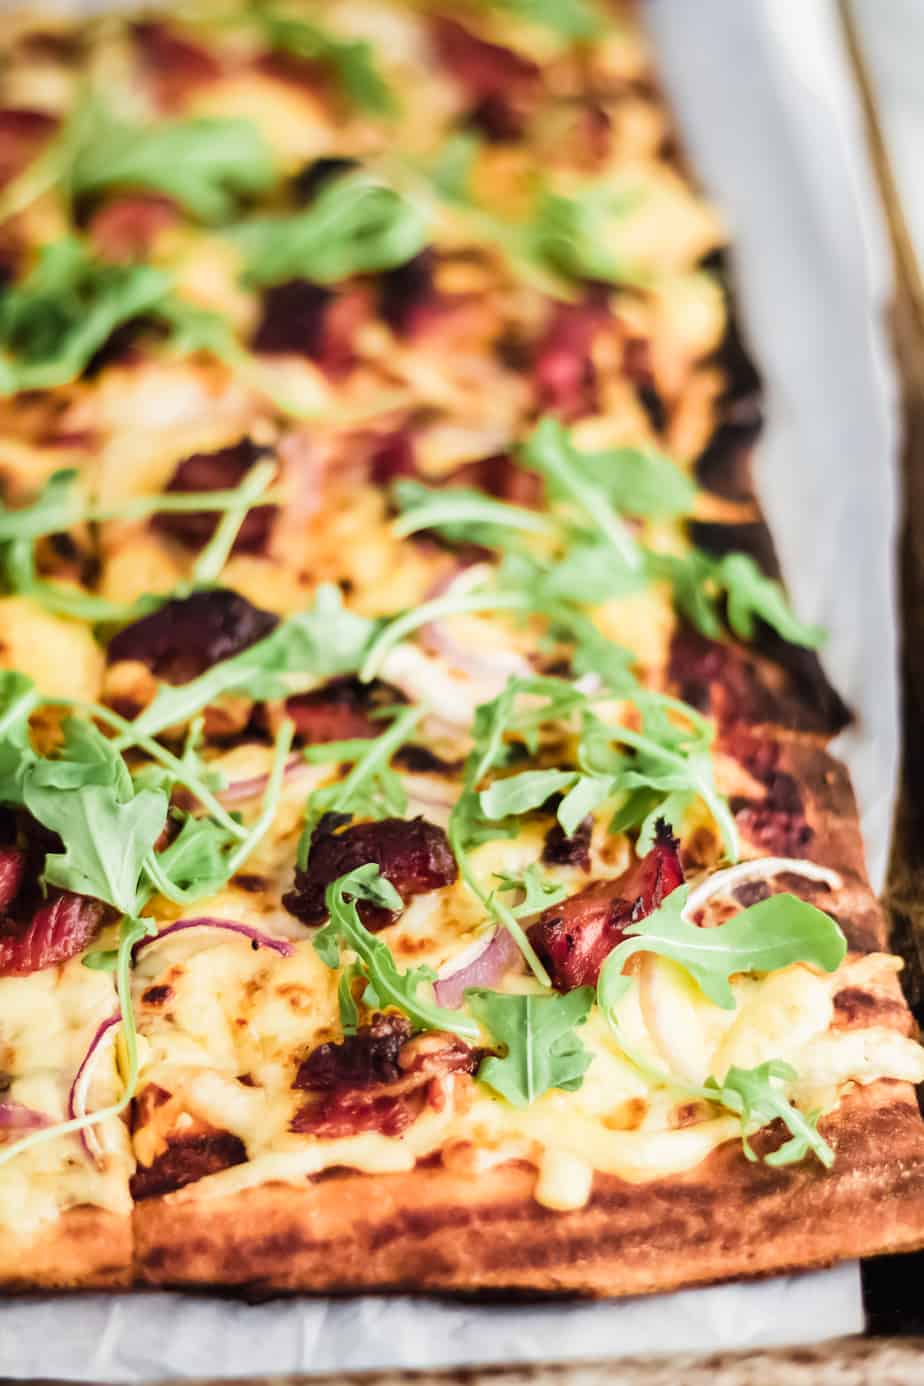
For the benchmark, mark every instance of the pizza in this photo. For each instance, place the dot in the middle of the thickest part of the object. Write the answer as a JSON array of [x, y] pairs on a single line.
[[421, 862]]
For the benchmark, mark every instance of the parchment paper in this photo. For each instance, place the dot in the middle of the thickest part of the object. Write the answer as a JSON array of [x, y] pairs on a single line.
[[768, 116]]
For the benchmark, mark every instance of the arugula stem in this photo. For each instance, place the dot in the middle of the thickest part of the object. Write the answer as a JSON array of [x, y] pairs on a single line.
[[163, 757], [284, 738], [210, 562]]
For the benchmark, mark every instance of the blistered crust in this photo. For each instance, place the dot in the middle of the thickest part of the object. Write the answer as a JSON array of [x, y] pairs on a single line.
[[432, 1229]]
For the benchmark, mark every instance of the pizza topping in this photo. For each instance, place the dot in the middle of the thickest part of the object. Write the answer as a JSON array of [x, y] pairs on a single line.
[[126, 227], [77, 1097], [493, 957], [413, 856], [363, 1060], [496, 80], [311, 321], [341, 710], [568, 849], [186, 1159], [188, 635], [216, 471], [312, 48], [59, 930], [176, 64], [14, 1116], [23, 132], [12, 870], [734, 879], [377, 1079], [575, 938], [258, 938], [563, 367]]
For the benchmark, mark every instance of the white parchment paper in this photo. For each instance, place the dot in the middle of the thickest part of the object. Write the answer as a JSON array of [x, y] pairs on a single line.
[[768, 115]]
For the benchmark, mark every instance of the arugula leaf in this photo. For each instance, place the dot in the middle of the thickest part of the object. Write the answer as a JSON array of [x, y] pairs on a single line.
[[56, 508], [538, 891], [750, 595], [752, 1094], [206, 164], [571, 234], [537, 1032], [371, 789], [319, 642], [66, 308], [774, 933], [644, 483], [106, 838], [389, 986], [195, 863], [452, 604], [702, 583], [354, 225], [573, 19], [351, 60], [518, 794], [586, 794], [549, 451]]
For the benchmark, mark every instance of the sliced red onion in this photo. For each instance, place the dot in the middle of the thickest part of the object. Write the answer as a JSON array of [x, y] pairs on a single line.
[[494, 665], [207, 921], [493, 959], [14, 1116], [77, 1097], [238, 790]]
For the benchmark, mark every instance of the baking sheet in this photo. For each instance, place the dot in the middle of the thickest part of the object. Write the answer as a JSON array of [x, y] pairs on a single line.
[[769, 118]]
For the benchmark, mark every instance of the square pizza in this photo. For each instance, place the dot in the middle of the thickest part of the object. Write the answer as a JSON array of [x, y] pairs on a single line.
[[421, 862]]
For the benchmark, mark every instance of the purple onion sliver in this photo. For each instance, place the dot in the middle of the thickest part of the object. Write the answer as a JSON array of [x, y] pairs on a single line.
[[76, 1098], [209, 922], [14, 1116], [496, 958], [256, 784]]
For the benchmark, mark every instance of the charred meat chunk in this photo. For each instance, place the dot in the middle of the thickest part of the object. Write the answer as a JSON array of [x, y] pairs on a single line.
[[413, 855], [216, 471], [186, 636], [575, 938]]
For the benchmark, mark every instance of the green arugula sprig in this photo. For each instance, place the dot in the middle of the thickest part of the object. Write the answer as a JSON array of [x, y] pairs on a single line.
[[356, 224], [386, 984], [60, 506], [207, 165], [765, 937], [462, 514], [541, 1048], [350, 60], [754, 1095], [372, 789]]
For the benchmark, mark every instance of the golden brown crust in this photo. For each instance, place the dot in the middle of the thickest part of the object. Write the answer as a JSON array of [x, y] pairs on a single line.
[[84, 1249], [791, 798], [433, 1229]]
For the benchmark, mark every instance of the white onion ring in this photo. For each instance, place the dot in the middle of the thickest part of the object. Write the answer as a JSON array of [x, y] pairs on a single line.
[[77, 1097], [763, 869]]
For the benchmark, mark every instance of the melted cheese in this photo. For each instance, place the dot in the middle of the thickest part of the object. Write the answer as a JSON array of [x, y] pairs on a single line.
[[47, 1021], [234, 1013]]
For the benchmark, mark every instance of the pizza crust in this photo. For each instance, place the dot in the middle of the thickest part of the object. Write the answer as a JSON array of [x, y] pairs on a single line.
[[431, 1229], [84, 1249]]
